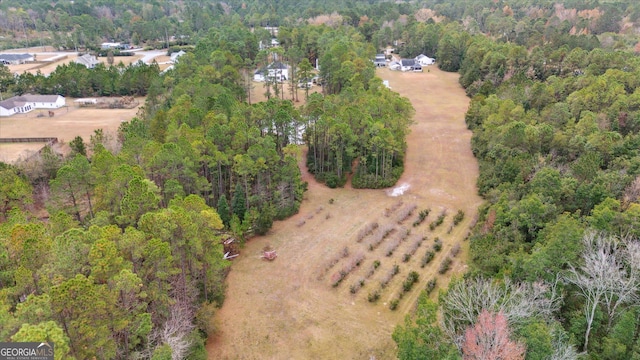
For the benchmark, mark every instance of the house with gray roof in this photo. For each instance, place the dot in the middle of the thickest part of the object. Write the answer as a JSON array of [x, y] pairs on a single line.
[[277, 71], [27, 102], [16, 59], [87, 60]]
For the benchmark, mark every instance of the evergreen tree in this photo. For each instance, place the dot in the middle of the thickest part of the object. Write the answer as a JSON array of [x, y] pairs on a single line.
[[223, 210], [238, 202]]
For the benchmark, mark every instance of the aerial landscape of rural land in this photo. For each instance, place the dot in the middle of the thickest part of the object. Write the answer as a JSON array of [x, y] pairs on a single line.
[[320, 180]]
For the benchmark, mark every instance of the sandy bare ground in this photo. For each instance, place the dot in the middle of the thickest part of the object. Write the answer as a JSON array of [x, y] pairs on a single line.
[[287, 309], [67, 123]]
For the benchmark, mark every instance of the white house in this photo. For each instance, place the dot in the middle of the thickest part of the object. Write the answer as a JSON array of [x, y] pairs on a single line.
[[110, 45], [87, 60], [409, 65], [424, 60], [25, 103], [380, 60], [15, 59], [276, 70], [394, 65], [174, 56]]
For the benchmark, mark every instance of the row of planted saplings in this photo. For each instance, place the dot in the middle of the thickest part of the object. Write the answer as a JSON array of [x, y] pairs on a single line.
[[430, 254]]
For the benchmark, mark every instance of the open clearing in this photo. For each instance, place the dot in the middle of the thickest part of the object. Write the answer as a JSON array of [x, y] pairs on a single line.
[[67, 123], [48, 59], [288, 308]]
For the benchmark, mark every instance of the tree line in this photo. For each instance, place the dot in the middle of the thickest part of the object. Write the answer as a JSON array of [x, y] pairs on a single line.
[[76, 80], [555, 130]]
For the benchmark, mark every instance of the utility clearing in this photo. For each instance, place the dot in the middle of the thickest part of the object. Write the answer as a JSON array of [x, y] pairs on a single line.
[[346, 257]]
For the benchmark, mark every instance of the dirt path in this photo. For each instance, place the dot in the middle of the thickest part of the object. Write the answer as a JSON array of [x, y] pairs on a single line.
[[288, 308]]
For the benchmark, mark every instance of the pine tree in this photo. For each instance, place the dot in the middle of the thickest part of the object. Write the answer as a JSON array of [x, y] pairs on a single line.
[[238, 202], [223, 210]]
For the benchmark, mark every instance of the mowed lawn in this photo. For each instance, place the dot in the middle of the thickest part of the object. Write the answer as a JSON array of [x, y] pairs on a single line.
[[288, 308]]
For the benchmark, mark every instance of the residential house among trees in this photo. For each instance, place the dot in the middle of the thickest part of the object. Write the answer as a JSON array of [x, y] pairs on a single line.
[[175, 56], [424, 60], [16, 59], [410, 65], [87, 60], [277, 71], [25, 103], [380, 60]]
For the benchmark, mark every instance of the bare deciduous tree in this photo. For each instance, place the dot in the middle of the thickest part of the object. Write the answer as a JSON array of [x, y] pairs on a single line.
[[607, 276], [489, 339], [176, 330], [465, 300]]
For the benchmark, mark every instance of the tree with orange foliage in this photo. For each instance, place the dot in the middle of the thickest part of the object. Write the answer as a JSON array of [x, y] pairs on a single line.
[[489, 339]]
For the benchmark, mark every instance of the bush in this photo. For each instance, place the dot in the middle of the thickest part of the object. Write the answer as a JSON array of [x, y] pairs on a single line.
[[428, 256], [421, 216], [437, 246], [406, 212], [438, 221], [387, 278], [455, 250], [394, 304], [431, 284], [373, 296], [366, 231], [445, 265], [458, 217], [356, 286], [411, 279]]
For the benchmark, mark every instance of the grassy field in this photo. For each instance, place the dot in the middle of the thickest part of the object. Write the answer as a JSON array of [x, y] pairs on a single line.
[[47, 60], [289, 308], [67, 123]]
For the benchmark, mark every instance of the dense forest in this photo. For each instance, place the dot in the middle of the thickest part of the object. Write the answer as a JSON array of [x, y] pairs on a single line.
[[136, 223]]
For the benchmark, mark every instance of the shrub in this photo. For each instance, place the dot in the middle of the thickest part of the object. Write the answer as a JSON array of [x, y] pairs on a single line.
[[356, 286], [431, 284], [437, 246], [366, 231], [438, 221], [373, 296], [392, 246], [455, 250], [458, 217], [387, 278], [379, 236], [394, 304], [421, 216], [411, 279], [337, 278], [405, 213], [372, 269], [428, 256], [444, 266]]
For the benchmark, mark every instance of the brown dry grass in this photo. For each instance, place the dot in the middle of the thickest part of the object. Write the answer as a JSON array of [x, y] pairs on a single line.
[[68, 122], [287, 309], [46, 69]]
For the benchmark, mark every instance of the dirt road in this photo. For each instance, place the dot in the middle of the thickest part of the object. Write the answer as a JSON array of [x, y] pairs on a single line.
[[288, 308]]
